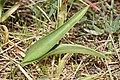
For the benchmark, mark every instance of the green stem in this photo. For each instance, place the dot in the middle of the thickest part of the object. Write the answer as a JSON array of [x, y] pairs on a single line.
[[111, 13], [2, 3], [109, 70], [1, 10]]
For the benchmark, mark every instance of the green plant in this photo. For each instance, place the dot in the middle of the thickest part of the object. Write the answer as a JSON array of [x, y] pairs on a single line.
[[110, 26], [47, 45]]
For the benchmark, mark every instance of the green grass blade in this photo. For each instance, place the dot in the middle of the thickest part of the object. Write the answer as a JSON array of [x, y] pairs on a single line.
[[1, 7], [109, 70], [91, 77], [2, 2], [9, 12], [61, 64], [42, 46]]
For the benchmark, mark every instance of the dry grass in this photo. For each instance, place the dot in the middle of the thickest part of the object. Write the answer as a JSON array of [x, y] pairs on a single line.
[[24, 30]]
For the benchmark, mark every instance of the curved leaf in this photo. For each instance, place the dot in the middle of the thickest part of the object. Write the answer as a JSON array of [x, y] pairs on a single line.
[[91, 77], [42, 46], [70, 48]]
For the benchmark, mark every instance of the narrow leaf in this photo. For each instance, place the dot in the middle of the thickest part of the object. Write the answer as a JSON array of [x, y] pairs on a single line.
[[61, 64], [1, 8], [91, 77], [2, 3], [9, 12], [70, 48], [42, 46]]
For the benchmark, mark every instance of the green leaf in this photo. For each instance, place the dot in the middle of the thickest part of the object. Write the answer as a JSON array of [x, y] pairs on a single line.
[[42, 46], [115, 26], [61, 64], [2, 3], [42, 79], [53, 7], [91, 77], [70, 48], [71, 1], [94, 32]]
